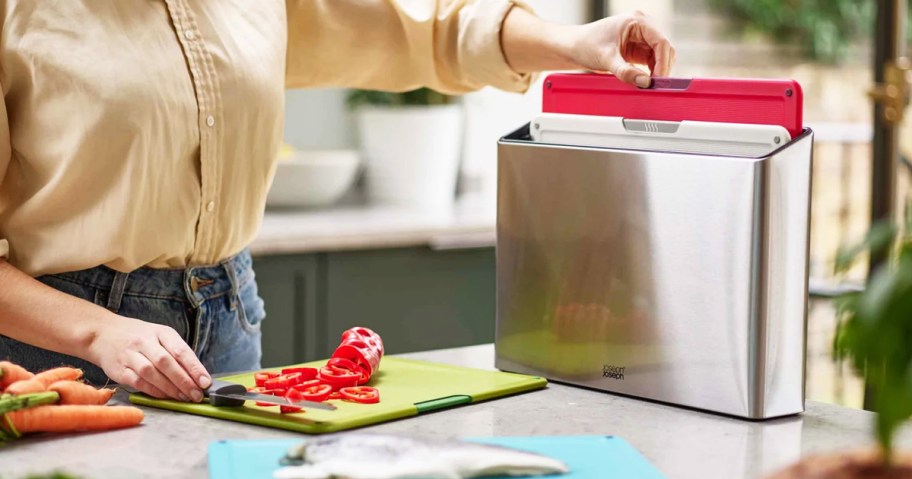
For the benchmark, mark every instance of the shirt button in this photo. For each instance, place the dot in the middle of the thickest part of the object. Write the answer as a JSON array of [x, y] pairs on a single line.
[[210, 206], [210, 120], [188, 34]]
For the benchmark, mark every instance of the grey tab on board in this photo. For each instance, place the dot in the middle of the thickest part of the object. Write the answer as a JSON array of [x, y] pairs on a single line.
[[651, 126]]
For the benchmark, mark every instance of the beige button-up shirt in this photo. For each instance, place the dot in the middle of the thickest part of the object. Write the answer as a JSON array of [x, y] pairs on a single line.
[[145, 133]]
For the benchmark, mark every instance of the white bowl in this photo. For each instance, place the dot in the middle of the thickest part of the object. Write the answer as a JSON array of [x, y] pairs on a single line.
[[313, 178]]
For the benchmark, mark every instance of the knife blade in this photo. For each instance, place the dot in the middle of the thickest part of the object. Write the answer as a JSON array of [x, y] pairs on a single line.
[[226, 394]]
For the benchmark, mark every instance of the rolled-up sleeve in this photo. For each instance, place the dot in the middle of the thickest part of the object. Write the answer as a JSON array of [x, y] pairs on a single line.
[[452, 46]]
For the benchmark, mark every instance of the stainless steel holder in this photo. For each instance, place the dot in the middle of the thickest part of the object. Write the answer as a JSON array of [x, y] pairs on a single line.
[[679, 278]]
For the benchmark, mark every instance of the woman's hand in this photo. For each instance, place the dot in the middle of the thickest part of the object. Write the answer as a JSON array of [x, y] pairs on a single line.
[[149, 357], [613, 44]]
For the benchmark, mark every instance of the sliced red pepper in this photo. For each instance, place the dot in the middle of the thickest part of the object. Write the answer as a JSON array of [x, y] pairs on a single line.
[[338, 378], [361, 394], [284, 381], [306, 373], [307, 384], [317, 392], [261, 377], [289, 409], [350, 365]]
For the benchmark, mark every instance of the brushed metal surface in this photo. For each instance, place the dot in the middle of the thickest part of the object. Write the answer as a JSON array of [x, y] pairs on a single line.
[[674, 277]]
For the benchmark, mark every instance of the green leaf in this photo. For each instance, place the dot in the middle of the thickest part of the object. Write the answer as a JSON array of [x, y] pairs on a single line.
[[878, 239]]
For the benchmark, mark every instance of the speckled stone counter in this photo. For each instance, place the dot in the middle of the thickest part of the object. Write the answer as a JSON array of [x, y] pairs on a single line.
[[357, 225], [681, 443]]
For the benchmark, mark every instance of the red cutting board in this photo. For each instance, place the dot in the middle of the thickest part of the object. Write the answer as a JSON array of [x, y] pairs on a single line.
[[725, 100]]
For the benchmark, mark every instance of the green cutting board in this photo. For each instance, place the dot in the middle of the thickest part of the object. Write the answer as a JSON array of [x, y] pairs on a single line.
[[407, 388]]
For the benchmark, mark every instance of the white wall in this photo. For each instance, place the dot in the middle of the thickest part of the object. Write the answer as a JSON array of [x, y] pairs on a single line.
[[319, 119]]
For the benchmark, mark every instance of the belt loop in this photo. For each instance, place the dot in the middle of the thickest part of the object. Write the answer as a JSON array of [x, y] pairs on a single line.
[[232, 277], [117, 290], [189, 278]]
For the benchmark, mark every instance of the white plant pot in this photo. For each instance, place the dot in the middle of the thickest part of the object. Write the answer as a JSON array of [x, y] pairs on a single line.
[[411, 154]]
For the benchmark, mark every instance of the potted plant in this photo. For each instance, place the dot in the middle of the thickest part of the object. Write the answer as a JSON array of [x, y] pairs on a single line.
[[875, 327], [411, 145]]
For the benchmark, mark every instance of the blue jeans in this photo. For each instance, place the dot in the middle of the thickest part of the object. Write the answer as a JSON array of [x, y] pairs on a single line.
[[215, 309]]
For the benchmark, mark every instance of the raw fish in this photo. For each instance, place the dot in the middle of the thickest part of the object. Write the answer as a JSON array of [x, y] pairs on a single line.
[[383, 456]]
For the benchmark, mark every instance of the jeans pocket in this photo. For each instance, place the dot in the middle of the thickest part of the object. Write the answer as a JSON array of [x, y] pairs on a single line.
[[164, 311], [251, 310]]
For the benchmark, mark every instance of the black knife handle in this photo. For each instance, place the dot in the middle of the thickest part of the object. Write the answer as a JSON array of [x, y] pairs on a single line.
[[223, 387]]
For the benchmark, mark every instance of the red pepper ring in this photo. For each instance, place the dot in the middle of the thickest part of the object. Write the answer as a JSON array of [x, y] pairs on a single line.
[[261, 377], [316, 392], [283, 382], [306, 373], [338, 378], [361, 394]]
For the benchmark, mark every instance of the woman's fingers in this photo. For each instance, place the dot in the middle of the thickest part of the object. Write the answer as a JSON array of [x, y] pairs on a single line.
[[166, 363], [627, 72], [189, 365], [133, 379], [642, 42], [149, 372]]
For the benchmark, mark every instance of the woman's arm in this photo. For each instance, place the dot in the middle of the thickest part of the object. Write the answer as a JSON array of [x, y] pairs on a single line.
[[150, 357], [456, 46], [612, 45]]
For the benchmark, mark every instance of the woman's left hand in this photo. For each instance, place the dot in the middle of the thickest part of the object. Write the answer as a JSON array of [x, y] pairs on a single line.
[[613, 44]]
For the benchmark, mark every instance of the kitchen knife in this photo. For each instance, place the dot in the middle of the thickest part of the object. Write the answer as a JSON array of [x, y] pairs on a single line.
[[225, 394]]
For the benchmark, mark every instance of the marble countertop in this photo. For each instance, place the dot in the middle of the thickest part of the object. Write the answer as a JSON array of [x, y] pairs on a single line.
[[682, 443], [355, 225]]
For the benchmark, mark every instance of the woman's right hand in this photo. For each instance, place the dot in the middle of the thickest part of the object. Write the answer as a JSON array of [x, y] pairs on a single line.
[[149, 357]]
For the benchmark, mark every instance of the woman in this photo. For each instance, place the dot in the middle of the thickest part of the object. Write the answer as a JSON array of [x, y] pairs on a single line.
[[139, 139]]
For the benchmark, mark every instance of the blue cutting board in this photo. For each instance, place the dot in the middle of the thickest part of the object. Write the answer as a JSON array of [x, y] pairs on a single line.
[[589, 457]]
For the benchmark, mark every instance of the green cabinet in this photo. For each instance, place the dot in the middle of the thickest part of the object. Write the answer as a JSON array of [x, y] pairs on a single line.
[[289, 287], [416, 298]]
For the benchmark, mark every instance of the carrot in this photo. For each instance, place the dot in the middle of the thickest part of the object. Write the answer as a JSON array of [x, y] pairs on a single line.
[[10, 373], [42, 380], [75, 392], [74, 418]]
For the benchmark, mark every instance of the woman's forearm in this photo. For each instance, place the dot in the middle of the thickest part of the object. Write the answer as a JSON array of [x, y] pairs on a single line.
[[150, 357], [533, 45], [615, 44], [37, 314]]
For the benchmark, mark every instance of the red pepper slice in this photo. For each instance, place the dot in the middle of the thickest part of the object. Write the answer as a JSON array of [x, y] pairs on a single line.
[[350, 365], [317, 392], [283, 382], [289, 409], [338, 378], [306, 373], [261, 377], [307, 384], [361, 394]]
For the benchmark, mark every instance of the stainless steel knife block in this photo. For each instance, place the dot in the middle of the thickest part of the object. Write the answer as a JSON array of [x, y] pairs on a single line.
[[679, 278]]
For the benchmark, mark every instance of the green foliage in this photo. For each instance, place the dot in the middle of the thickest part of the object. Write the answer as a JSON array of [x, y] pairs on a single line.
[[875, 327], [419, 97], [825, 27], [52, 475]]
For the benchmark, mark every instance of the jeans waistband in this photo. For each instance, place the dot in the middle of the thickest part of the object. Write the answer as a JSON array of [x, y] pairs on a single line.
[[195, 284]]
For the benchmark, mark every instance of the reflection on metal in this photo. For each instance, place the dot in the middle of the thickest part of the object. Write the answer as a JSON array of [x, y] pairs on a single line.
[[675, 277], [893, 93]]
